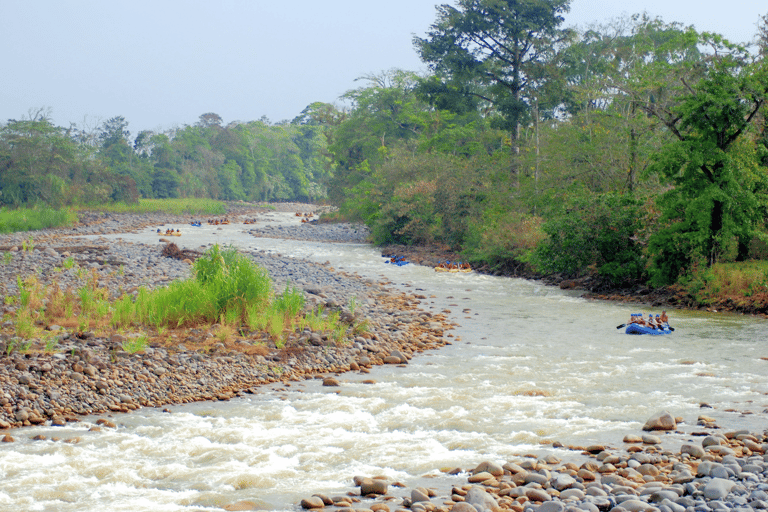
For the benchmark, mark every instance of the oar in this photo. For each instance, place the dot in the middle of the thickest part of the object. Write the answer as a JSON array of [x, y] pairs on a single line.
[[620, 326]]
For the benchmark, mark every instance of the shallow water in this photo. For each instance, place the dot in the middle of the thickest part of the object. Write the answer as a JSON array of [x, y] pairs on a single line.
[[528, 364]]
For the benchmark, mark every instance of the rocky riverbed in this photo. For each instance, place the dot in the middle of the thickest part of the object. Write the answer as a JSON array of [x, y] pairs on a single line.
[[68, 372]]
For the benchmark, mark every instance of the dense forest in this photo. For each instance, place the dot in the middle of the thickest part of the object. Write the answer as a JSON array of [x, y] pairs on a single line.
[[635, 151]]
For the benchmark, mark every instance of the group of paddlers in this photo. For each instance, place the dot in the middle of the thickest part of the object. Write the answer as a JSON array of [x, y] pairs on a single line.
[[658, 322]]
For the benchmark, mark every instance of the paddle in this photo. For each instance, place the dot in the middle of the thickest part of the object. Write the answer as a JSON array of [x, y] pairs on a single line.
[[620, 326]]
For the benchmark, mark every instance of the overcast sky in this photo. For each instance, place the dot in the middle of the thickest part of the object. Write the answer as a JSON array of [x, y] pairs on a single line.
[[162, 63]]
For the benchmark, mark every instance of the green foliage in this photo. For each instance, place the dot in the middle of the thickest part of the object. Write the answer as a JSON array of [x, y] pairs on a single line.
[[719, 198], [494, 51], [134, 344], [34, 219], [594, 234], [185, 206], [225, 281]]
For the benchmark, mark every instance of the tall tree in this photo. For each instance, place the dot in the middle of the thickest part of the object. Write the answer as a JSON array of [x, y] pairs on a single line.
[[494, 50], [718, 201]]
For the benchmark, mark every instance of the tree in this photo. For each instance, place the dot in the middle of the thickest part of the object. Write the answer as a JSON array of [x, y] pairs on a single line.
[[718, 200], [494, 50], [210, 119]]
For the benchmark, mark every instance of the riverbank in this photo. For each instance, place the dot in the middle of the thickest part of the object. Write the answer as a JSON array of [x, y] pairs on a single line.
[[68, 373], [672, 297]]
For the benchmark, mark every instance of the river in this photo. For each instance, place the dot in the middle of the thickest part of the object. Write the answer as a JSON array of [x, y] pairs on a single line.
[[528, 365]]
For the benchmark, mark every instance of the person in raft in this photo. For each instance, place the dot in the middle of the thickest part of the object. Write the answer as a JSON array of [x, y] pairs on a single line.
[[664, 318], [651, 321]]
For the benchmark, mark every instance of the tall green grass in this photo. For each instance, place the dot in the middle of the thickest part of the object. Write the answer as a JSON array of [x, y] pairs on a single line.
[[34, 219], [176, 206], [226, 285]]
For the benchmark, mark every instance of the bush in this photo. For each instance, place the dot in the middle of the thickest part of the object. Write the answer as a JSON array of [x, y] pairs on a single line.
[[595, 234]]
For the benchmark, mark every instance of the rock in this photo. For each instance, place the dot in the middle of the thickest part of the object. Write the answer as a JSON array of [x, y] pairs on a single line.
[[373, 486], [633, 505], [463, 506], [562, 481], [694, 451], [489, 467], [650, 439], [480, 499], [539, 495], [551, 506], [331, 382], [480, 477], [312, 502], [576, 494], [660, 421], [648, 470], [419, 494], [718, 488]]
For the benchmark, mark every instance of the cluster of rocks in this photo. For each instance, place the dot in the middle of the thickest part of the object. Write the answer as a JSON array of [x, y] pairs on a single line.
[[723, 472], [76, 373], [314, 231]]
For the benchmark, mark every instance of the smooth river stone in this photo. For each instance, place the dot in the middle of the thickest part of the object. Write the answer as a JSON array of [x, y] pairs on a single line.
[[633, 505], [480, 499], [480, 477], [312, 502], [718, 488], [489, 467], [576, 494], [660, 421], [693, 450], [463, 506]]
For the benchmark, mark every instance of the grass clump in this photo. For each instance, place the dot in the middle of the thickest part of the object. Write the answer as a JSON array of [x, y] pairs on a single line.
[[174, 206], [225, 284], [34, 219]]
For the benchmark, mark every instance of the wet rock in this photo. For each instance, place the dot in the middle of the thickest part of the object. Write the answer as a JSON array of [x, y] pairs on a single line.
[[312, 502], [373, 486], [660, 421]]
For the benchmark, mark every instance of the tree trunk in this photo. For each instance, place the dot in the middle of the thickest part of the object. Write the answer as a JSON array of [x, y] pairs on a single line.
[[716, 225]]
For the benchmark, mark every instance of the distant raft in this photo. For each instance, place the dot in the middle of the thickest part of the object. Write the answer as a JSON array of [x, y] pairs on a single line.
[[396, 260], [448, 266]]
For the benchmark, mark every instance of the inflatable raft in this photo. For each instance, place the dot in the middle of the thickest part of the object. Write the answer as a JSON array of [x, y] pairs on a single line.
[[452, 270], [642, 329]]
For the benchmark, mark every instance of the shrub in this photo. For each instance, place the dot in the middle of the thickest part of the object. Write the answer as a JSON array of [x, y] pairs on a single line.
[[595, 233]]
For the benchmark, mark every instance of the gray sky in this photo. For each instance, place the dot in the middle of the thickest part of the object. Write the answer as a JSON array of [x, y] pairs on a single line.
[[162, 63]]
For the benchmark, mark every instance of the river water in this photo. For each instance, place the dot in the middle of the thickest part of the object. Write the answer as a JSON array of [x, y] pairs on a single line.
[[528, 365]]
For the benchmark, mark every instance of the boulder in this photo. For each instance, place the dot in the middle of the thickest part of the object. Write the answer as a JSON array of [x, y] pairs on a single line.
[[660, 421]]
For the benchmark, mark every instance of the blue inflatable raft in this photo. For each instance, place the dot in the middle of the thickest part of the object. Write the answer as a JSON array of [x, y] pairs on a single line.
[[642, 329]]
